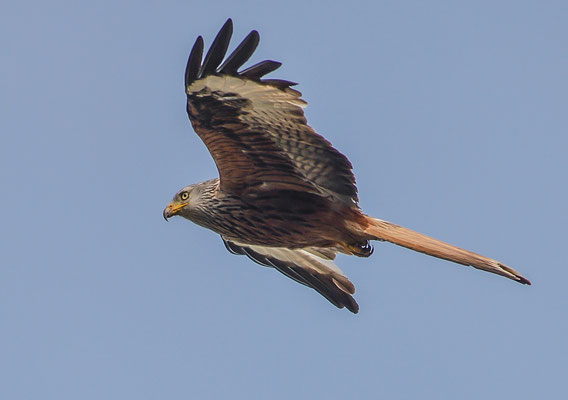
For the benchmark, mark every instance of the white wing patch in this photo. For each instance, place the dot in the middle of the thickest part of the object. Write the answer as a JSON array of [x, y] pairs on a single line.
[[261, 95]]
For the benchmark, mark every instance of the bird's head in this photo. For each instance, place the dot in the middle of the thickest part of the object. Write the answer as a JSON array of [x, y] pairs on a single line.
[[192, 201], [181, 203]]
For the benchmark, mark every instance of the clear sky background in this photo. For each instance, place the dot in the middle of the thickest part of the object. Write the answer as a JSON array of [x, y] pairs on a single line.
[[455, 117]]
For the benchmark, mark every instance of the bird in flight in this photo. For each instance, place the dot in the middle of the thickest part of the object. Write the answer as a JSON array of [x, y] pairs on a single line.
[[285, 197]]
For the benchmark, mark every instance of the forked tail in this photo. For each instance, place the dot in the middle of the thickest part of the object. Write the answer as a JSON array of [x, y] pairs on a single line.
[[383, 230]]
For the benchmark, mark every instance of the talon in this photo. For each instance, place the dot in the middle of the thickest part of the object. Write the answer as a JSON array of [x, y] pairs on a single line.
[[364, 249]]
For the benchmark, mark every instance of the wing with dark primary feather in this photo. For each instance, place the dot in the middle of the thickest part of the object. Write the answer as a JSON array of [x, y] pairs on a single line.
[[255, 128], [311, 267]]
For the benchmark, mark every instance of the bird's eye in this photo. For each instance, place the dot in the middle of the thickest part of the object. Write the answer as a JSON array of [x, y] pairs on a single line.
[[184, 196]]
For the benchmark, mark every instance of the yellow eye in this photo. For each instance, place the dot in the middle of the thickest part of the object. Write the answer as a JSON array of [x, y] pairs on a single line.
[[184, 196]]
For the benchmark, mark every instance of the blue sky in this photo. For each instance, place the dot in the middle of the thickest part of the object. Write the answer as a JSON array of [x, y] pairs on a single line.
[[454, 115]]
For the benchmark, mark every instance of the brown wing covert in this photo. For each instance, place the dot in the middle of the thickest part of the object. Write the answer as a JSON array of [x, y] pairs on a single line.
[[255, 128]]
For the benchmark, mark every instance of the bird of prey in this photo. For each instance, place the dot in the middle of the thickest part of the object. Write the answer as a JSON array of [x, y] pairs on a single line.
[[285, 197]]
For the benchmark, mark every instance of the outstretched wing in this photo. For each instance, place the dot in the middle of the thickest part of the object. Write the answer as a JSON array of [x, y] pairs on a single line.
[[313, 268], [255, 128]]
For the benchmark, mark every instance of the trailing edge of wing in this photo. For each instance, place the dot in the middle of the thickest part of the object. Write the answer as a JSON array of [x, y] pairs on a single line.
[[298, 265]]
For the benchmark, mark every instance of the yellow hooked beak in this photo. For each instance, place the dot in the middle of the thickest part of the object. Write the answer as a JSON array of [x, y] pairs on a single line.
[[172, 209]]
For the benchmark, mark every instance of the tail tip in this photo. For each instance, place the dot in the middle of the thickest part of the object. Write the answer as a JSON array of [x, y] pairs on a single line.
[[512, 274], [523, 280]]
